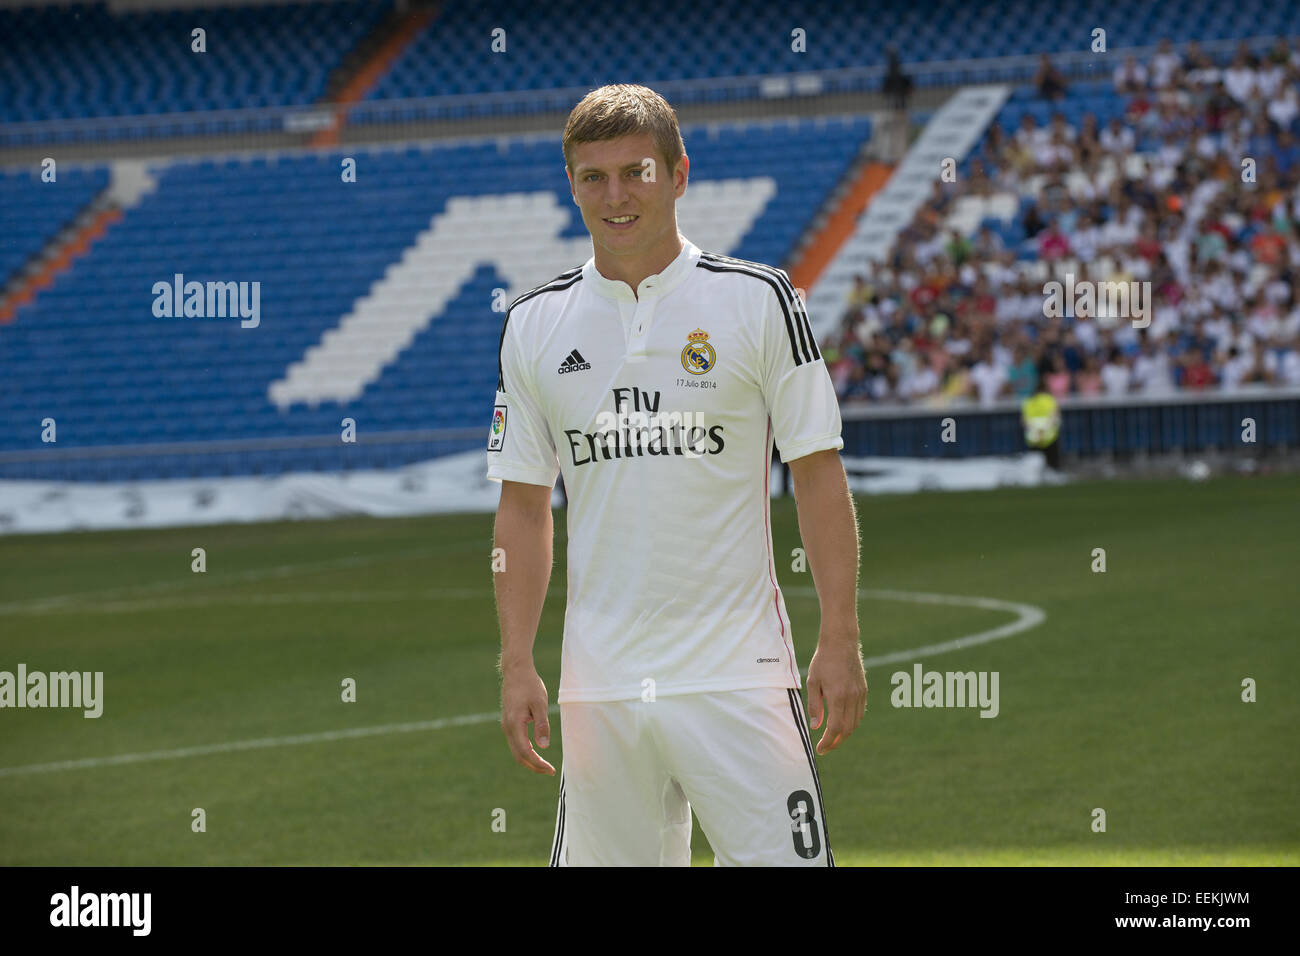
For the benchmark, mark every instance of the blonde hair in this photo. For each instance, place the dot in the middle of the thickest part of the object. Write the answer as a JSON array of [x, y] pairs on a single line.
[[623, 109]]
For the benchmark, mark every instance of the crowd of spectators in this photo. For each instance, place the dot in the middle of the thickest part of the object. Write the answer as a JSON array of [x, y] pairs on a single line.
[[1160, 196]]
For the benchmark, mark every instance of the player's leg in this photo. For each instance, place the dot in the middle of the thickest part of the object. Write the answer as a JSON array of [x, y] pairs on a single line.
[[745, 761], [618, 805]]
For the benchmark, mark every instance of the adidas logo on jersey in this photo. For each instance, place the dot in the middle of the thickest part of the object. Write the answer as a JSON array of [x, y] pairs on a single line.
[[574, 363]]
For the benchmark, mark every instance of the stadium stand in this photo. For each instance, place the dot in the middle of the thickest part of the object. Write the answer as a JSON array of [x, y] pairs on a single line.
[[1132, 177], [1139, 179], [317, 246], [31, 215], [679, 40], [85, 61]]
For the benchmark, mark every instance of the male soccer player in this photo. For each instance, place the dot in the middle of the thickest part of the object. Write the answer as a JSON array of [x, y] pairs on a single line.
[[655, 378]]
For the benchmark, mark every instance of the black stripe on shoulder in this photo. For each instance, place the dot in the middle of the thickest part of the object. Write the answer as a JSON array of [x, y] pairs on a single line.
[[801, 312], [802, 345], [561, 282], [713, 266], [797, 305]]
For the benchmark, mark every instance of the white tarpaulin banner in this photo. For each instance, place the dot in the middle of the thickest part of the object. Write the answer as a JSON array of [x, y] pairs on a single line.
[[450, 484], [883, 475]]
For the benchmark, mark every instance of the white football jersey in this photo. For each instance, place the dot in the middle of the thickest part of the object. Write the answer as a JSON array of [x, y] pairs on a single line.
[[661, 411]]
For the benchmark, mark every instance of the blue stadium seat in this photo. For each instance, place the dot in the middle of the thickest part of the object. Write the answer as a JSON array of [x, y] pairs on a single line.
[[82, 60]]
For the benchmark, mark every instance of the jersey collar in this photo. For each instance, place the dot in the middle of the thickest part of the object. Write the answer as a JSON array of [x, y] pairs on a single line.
[[658, 285]]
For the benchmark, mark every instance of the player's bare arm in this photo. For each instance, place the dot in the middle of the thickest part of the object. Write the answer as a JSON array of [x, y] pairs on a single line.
[[524, 529], [828, 525]]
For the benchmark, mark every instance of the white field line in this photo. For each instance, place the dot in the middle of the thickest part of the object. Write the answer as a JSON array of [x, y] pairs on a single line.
[[1027, 616], [260, 744]]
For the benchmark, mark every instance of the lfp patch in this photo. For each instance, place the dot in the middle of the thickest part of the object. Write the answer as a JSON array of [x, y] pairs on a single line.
[[497, 437]]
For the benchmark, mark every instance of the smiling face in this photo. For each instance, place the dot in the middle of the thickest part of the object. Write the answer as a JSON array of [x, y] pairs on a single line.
[[628, 204]]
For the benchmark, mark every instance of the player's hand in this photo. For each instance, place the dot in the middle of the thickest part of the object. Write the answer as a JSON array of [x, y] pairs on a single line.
[[524, 702], [837, 690]]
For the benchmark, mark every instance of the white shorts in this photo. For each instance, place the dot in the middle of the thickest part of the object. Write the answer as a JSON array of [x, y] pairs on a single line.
[[633, 771]]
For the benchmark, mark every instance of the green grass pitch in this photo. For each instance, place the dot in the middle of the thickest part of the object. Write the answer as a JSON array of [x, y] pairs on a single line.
[[1126, 698]]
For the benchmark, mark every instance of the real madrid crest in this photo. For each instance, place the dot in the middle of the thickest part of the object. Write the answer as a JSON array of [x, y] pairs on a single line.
[[698, 356]]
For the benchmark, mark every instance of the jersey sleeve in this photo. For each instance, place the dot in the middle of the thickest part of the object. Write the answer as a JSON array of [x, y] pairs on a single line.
[[519, 443], [796, 384]]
